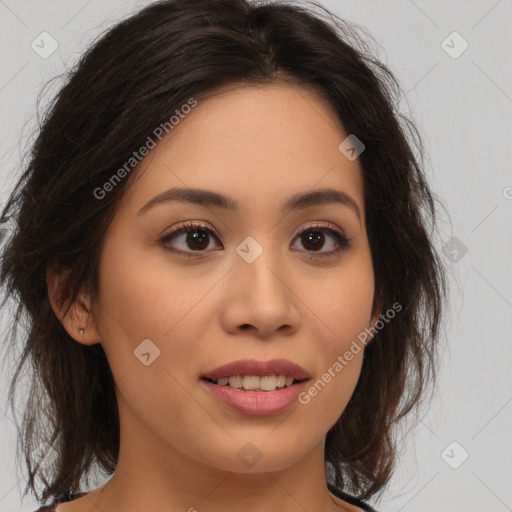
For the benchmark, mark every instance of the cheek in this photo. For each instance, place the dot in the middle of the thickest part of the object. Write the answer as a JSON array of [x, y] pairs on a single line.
[[128, 293], [343, 311], [343, 302], [141, 293], [128, 303], [148, 298], [147, 332]]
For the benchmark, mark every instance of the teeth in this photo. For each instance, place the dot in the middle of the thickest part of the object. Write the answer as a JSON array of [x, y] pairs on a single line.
[[254, 382], [281, 381], [251, 382]]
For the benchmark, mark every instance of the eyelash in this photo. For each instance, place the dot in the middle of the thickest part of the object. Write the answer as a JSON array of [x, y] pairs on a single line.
[[344, 243]]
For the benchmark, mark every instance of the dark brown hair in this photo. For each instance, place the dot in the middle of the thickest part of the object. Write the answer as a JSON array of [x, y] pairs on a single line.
[[124, 86]]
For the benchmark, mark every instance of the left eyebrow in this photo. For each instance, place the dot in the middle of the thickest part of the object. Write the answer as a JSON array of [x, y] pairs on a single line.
[[213, 199]]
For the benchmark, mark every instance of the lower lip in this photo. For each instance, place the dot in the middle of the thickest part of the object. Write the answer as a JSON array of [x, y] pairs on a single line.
[[256, 403]]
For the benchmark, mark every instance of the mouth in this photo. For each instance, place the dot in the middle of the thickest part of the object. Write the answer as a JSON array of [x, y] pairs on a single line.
[[256, 388], [252, 374]]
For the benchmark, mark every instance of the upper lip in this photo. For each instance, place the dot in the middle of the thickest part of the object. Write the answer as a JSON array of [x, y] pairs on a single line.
[[259, 368]]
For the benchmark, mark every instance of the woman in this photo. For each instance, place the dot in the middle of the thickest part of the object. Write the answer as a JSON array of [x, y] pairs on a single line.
[[223, 245]]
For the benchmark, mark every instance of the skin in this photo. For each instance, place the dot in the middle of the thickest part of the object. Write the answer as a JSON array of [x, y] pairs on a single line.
[[178, 443]]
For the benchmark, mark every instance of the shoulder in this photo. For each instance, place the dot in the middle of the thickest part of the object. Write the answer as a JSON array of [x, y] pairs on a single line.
[[352, 500], [60, 499]]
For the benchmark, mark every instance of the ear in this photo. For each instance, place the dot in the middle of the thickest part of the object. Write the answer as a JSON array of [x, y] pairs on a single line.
[[79, 318], [374, 319]]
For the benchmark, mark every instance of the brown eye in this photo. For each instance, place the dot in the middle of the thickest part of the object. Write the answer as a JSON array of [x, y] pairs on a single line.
[[197, 238], [314, 238]]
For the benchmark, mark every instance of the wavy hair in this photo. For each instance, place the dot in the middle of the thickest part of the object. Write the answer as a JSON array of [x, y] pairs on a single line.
[[131, 80]]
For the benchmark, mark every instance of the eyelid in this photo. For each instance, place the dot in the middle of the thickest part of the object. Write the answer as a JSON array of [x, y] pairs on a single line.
[[319, 225], [190, 224], [206, 225]]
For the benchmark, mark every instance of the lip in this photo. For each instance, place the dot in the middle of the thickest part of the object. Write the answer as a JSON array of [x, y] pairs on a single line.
[[256, 403], [258, 368]]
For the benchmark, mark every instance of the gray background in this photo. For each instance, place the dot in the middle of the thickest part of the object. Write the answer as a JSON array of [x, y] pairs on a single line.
[[463, 108]]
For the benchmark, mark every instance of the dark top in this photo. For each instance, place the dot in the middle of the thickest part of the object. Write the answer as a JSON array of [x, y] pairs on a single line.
[[349, 499], [339, 494]]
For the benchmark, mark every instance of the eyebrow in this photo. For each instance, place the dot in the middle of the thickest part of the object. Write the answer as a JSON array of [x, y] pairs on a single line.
[[213, 199]]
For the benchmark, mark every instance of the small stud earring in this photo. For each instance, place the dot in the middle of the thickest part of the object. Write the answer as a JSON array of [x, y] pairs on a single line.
[[82, 331]]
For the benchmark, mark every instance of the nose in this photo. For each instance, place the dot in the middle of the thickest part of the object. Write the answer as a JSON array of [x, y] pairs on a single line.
[[260, 298]]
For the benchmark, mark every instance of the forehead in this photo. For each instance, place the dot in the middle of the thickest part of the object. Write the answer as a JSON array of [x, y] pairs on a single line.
[[256, 144]]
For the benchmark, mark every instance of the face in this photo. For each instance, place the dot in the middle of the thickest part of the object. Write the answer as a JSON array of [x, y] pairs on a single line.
[[254, 282]]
